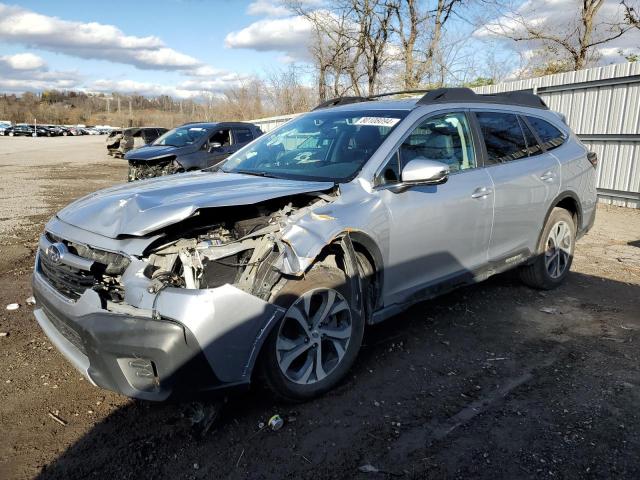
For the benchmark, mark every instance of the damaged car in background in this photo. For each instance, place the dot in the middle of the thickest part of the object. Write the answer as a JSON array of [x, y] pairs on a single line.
[[269, 267], [190, 147], [120, 141]]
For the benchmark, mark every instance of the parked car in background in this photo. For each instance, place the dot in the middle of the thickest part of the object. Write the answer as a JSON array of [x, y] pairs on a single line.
[[192, 146], [120, 141], [5, 128], [23, 130], [113, 141], [55, 130], [271, 266]]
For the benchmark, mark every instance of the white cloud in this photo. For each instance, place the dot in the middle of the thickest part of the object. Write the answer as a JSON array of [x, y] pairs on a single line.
[[187, 89], [28, 72], [288, 35], [268, 8], [277, 8], [24, 61], [90, 40], [559, 16], [140, 88]]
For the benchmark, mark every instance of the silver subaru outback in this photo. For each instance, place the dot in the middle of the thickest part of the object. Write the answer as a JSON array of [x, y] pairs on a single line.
[[270, 266]]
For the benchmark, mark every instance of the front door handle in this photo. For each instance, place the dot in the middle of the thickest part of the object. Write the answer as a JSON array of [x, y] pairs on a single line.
[[481, 192], [547, 176]]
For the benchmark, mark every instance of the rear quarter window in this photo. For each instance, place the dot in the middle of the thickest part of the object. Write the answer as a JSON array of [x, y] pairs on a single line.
[[550, 136]]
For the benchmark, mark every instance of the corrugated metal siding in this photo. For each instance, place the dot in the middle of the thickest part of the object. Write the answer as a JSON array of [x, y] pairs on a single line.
[[601, 101], [270, 123]]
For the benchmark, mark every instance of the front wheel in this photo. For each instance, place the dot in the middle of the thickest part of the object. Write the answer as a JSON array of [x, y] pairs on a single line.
[[555, 252], [316, 342]]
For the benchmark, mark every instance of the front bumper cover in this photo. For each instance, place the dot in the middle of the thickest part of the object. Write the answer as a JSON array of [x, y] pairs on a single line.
[[195, 340]]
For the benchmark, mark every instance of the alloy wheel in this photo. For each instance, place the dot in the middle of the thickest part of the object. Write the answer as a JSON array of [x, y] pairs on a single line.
[[558, 251], [314, 336]]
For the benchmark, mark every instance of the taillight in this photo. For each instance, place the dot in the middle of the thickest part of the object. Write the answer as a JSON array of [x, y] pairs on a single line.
[[593, 158]]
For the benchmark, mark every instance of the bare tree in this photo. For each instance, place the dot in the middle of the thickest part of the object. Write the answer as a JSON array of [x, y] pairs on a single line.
[[567, 47], [631, 13], [285, 92], [350, 44], [244, 102], [419, 29], [372, 41], [330, 46]]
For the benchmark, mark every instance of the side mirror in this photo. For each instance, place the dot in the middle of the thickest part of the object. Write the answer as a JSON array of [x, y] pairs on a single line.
[[214, 146], [421, 171]]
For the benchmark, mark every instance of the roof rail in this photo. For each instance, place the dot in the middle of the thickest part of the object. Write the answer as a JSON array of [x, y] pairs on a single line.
[[462, 95], [336, 102], [449, 95]]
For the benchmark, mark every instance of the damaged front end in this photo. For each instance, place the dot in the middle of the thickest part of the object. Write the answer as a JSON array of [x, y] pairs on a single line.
[[141, 169], [189, 312]]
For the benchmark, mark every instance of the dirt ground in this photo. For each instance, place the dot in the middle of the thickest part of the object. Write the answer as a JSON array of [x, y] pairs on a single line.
[[480, 383]]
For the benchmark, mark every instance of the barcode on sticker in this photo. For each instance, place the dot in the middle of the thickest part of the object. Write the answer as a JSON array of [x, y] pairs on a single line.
[[377, 121]]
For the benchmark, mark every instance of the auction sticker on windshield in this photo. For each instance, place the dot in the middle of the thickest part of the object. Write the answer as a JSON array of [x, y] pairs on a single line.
[[377, 121]]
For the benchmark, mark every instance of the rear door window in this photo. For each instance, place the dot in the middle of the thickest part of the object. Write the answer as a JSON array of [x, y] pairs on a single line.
[[242, 135], [503, 136], [550, 136]]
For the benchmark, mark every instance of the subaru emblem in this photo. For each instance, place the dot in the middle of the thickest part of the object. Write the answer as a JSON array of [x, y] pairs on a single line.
[[55, 252]]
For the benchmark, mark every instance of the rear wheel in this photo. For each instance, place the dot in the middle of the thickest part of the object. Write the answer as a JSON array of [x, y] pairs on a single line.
[[316, 342], [555, 252]]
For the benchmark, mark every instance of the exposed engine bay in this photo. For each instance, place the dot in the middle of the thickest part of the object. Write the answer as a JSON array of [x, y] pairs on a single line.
[[141, 169], [240, 245]]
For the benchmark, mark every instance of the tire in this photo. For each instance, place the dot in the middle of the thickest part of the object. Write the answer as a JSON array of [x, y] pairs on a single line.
[[313, 342], [554, 253], [11, 134]]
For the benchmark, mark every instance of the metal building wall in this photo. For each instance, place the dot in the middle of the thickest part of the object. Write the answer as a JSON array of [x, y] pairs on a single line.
[[602, 105]]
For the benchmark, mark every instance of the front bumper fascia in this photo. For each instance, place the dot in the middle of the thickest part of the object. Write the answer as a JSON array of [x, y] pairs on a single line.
[[193, 340]]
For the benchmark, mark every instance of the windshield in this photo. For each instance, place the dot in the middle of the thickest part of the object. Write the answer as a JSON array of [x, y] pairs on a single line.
[[326, 145], [181, 136]]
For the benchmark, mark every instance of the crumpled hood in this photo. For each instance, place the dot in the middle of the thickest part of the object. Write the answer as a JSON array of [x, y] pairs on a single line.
[[151, 152], [142, 207]]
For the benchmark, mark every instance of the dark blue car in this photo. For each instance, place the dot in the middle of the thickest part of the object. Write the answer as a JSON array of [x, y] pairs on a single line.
[[192, 146]]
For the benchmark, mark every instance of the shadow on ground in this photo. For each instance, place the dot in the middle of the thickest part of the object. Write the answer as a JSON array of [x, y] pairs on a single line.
[[478, 383]]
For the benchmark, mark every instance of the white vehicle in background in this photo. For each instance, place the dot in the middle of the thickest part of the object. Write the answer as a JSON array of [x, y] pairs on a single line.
[[4, 124]]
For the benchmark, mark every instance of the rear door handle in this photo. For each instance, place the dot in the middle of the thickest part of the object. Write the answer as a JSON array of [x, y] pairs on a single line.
[[481, 192], [547, 176]]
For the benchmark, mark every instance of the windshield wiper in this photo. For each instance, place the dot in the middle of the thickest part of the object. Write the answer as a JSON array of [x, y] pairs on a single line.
[[251, 172]]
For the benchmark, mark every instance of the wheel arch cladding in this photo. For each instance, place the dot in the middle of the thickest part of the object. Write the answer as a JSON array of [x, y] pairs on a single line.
[[568, 201], [364, 244]]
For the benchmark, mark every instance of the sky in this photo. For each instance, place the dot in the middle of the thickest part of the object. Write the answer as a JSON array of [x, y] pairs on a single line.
[[176, 47]]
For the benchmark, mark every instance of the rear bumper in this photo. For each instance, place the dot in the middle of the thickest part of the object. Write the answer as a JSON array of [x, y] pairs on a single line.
[[197, 341], [589, 225]]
